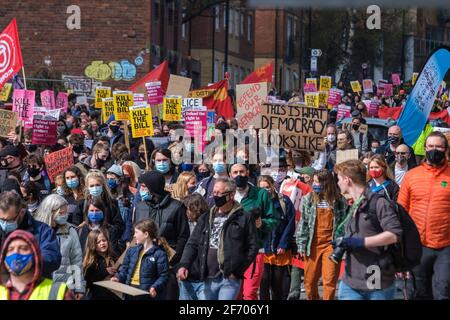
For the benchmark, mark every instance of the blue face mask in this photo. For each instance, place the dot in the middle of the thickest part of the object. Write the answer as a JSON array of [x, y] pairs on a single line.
[[96, 191], [61, 219], [72, 183], [145, 195], [60, 191], [8, 226], [316, 188], [186, 167], [162, 166], [219, 168], [112, 183], [95, 217], [17, 262]]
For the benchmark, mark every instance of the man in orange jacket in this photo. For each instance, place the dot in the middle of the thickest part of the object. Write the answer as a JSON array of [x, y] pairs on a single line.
[[425, 193]]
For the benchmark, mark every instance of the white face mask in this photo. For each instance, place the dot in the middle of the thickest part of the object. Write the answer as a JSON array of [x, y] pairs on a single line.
[[331, 138], [278, 176]]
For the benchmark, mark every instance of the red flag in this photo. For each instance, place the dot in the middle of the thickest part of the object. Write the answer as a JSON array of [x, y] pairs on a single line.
[[215, 97], [160, 73], [10, 54], [262, 74], [386, 112]]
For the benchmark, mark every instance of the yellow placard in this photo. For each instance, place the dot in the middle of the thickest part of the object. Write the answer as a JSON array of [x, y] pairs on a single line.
[[123, 100], [100, 93], [414, 77], [312, 99], [356, 86], [172, 108], [323, 98], [141, 121], [6, 90], [107, 108], [313, 81], [325, 83]]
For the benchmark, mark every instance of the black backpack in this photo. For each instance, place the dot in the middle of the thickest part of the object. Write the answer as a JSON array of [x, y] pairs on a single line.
[[408, 251]]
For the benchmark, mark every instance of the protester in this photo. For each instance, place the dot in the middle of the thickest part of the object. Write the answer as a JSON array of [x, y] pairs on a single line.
[[327, 158], [401, 167], [186, 184], [11, 159], [31, 195], [74, 194], [37, 174], [359, 138], [382, 181], [395, 138], [161, 161]]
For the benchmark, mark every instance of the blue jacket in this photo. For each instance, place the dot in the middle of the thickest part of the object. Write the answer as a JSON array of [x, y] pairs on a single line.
[[154, 270]]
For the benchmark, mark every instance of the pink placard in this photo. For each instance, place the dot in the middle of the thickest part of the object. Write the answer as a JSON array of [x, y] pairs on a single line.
[[44, 131], [62, 101], [396, 79], [373, 108], [309, 87], [367, 86], [48, 99], [388, 90], [334, 97], [196, 124], [344, 111], [154, 93], [23, 104]]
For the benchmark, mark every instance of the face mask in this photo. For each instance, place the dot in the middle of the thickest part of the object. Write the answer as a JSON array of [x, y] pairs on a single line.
[[114, 129], [316, 188], [33, 172], [8, 226], [33, 206], [331, 138], [17, 263], [95, 216], [162, 166], [375, 173], [435, 156], [112, 183], [203, 175], [191, 190], [31, 147], [100, 162], [278, 176], [142, 155], [186, 167], [401, 159], [241, 181], [393, 140], [78, 149], [96, 191], [220, 201], [145, 195], [355, 127], [219, 168], [61, 219], [60, 191], [72, 183]]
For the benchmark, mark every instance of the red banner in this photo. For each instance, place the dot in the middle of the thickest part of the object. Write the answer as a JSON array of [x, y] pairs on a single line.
[[262, 74], [10, 54], [215, 97]]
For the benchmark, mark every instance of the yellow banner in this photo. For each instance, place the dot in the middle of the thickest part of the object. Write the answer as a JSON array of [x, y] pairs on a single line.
[[325, 83], [107, 109], [312, 99], [123, 100], [172, 109], [141, 122], [100, 93], [6, 90]]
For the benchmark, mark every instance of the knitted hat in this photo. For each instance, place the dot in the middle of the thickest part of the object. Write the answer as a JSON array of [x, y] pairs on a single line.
[[154, 181]]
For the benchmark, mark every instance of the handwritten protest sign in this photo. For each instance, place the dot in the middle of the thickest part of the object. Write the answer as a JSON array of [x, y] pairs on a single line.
[[8, 122], [356, 87], [122, 102], [325, 83], [172, 108], [141, 121], [343, 111], [57, 162], [196, 124], [367, 86], [300, 127], [344, 155], [77, 84], [100, 93], [312, 99], [249, 100], [178, 86], [334, 97], [395, 79], [5, 91], [155, 94], [23, 104], [108, 108], [44, 131], [62, 101], [363, 128]]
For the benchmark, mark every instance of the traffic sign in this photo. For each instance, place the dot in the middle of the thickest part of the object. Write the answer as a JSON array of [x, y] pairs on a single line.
[[316, 52]]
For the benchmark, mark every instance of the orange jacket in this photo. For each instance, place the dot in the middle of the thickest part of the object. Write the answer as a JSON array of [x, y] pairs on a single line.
[[425, 193]]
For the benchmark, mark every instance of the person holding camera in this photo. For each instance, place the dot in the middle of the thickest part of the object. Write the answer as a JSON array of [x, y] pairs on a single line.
[[369, 266], [323, 211]]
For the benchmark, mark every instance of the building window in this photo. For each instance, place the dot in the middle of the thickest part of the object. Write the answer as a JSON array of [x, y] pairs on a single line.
[[217, 17], [216, 70], [249, 28], [236, 24], [155, 11], [242, 24]]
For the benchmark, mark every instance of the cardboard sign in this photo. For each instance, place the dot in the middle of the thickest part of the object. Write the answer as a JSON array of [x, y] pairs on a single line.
[[23, 104], [62, 101], [48, 99], [120, 287], [141, 121], [344, 155], [178, 86], [100, 93], [5, 91], [155, 94], [367, 86], [395, 79], [356, 87], [334, 97], [325, 83], [57, 162], [300, 127], [343, 111], [323, 98], [44, 131], [249, 100], [172, 108], [107, 109], [363, 128], [388, 90], [414, 77], [196, 124], [123, 100], [312, 99], [82, 100], [8, 122]]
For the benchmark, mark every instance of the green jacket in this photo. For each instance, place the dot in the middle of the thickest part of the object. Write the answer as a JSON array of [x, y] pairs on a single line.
[[260, 198], [306, 225]]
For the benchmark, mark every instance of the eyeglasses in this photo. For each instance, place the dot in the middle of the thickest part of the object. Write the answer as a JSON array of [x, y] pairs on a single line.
[[402, 153]]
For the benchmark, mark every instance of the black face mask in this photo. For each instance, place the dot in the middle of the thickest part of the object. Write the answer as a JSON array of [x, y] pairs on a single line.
[[220, 201], [33, 172], [78, 149], [355, 127], [100, 162], [31, 147], [241, 181], [192, 189], [126, 179], [142, 155], [435, 156], [394, 140], [4, 163], [114, 129], [203, 175]]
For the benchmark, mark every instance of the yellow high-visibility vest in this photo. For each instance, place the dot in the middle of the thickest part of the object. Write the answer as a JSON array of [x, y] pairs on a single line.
[[46, 290]]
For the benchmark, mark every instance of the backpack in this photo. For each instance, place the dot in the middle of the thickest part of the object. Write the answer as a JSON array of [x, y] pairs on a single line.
[[408, 251]]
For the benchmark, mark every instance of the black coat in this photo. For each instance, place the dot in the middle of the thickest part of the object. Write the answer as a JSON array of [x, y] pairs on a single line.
[[239, 244], [97, 272]]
